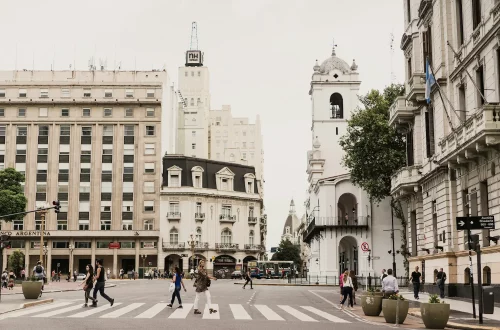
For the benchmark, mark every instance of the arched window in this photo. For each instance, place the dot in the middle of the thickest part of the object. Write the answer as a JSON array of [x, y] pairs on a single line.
[[336, 106], [467, 276], [226, 236], [192, 101], [486, 275], [174, 236], [251, 237], [198, 101], [198, 234]]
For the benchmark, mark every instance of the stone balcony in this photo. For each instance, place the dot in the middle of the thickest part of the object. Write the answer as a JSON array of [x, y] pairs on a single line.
[[227, 218], [472, 139], [252, 220], [201, 246], [199, 216], [253, 248], [167, 246], [416, 88], [353, 224], [405, 181], [401, 112], [227, 247], [173, 216]]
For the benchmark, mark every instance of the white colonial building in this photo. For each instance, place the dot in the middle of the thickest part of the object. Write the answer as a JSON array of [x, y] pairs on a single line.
[[217, 206], [452, 146], [344, 229]]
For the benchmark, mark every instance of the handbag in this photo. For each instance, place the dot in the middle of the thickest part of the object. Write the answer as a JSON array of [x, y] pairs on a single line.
[[85, 287], [208, 282], [171, 287]]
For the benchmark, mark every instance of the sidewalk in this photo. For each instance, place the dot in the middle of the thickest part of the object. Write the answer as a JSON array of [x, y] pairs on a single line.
[[19, 303], [279, 282], [52, 287]]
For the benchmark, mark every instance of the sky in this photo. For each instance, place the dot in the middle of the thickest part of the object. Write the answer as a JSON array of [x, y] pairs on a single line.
[[260, 54]]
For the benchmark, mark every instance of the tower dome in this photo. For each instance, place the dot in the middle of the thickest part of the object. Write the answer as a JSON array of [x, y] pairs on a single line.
[[333, 63]]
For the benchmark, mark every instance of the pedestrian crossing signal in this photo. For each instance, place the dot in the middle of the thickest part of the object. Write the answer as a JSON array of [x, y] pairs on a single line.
[[57, 206]]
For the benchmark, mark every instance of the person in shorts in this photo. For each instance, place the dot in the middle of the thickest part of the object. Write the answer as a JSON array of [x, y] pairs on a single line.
[[39, 273]]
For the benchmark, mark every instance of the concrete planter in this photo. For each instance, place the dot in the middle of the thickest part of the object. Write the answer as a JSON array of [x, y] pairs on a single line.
[[31, 290], [389, 309], [435, 316], [371, 304]]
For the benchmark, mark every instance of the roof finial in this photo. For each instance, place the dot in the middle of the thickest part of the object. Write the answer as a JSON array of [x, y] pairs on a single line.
[[333, 48]]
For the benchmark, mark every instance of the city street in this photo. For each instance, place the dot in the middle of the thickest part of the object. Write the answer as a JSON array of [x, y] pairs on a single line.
[[142, 304]]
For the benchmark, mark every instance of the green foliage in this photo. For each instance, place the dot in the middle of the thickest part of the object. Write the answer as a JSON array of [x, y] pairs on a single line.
[[396, 297], [374, 151], [32, 279], [12, 199], [287, 251], [434, 299], [16, 262]]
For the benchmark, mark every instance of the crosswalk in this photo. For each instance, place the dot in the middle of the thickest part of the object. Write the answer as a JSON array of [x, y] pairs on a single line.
[[142, 310]]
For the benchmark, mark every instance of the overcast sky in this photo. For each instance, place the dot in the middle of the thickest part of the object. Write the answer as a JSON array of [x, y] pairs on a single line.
[[260, 54]]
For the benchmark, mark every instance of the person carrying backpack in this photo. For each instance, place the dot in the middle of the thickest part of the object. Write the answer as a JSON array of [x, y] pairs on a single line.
[[39, 273]]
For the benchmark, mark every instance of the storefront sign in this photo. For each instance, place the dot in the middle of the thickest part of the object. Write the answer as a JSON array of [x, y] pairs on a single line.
[[25, 233], [114, 245], [149, 245], [238, 267], [225, 260]]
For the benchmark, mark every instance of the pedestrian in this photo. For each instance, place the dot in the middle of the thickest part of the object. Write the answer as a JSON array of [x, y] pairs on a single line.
[[121, 273], [248, 279], [177, 280], [12, 278], [347, 290], [382, 276], [99, 285], [354, 280], [53, 276], [23, 274], [191, 273], [202, 283], [415, 279], [440, 279], [39, 273], [389, 284], [5, 276], [341, 284], [75, 275], [88, 284]]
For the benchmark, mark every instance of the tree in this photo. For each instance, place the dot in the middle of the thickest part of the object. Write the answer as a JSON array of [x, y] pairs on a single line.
[[16, 262], [287, 251], [374, 150], [12, 199]]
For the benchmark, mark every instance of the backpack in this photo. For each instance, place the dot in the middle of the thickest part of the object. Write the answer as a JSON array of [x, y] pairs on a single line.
[[38, 269]]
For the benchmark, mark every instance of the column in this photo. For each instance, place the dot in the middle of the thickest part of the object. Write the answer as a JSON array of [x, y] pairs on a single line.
[[161, 256], [4, 259], [137, 256], [28, 271], [115, 262], [71, 270], [48, 267], [92, 258]]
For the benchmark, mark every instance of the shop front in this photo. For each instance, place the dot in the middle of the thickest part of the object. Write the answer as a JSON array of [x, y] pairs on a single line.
[[224, 266]]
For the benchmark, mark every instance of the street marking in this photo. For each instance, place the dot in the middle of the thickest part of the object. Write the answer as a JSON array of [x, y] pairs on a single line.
[[325, 315], [239, 312], [33, 310], [59, 311], [207, 315], [268, 313], [152, 312], [181, 313], [301, 316], [94, 310], [121, 311]]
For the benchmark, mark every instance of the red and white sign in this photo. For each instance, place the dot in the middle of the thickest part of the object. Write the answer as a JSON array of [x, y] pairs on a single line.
[[365, 247], [114, 245]]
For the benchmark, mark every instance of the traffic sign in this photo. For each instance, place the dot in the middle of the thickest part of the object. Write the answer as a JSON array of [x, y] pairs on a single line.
[[365, 247], [474, 223]]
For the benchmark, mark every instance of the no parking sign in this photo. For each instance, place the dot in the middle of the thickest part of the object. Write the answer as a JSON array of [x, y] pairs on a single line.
[[365, 247]]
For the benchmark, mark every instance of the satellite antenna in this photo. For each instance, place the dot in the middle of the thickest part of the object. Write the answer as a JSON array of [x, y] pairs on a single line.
[[194, 36]]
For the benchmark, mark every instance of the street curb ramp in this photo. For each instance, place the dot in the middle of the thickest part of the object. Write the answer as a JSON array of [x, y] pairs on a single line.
[[454, 325]]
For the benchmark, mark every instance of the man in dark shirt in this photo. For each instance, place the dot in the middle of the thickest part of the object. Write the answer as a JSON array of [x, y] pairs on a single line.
[[440, 279], [415, 279], [99, 284]]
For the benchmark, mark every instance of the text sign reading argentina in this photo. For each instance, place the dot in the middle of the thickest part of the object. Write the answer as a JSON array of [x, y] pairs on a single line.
[[25, 233], [474, 223]]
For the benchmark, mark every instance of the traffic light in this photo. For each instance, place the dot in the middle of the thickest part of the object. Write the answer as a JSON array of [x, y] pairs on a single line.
[[4, 242], [57, 206]]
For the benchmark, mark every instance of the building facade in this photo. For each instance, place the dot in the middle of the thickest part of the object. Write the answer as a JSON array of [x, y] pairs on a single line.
[[90, 139], [452, 142], [210, 210], [344, 229], [291, 227]]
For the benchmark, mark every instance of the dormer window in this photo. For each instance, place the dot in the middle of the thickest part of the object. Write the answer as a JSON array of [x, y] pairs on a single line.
[[174, 176], [250, 183], [197, 175], [224, 184], [225, 179]]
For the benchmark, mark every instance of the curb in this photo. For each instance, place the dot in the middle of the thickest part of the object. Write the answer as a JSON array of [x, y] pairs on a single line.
[[454, 325], [38, 302], [57, 291], [287, 284]]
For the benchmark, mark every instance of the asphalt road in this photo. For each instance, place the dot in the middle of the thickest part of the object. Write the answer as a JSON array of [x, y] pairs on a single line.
[[141, 304]]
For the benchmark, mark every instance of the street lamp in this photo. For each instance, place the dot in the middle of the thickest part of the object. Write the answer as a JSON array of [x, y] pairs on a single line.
[[144, 256], [192, 243], [71, 248], [42, 213], [45, 251]]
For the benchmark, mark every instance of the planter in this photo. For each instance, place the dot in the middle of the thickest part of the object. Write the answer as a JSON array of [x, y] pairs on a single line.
[[389, 310], [371, 304], [31, 290], [435, 316]]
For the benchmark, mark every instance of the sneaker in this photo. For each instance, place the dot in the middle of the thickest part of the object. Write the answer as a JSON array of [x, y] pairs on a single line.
[[180, 307], [169, 305], [197, 311], [112, 302], [84, 305]]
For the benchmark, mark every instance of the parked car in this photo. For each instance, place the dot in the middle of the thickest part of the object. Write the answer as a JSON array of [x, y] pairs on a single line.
[[81, 277], [237, 275], [255, 275]]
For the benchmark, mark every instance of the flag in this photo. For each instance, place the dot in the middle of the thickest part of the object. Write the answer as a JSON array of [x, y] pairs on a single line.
[[429, 81]]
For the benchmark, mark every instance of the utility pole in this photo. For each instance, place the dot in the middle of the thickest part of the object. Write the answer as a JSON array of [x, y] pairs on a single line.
[[393, 244]]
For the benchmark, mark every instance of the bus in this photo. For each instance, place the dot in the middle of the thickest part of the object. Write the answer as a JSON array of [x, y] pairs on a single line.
[[271, 268]]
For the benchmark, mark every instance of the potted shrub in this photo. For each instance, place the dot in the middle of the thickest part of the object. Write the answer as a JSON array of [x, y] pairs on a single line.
[[395, 305], [371, 303], [31, 288], [435, 313]]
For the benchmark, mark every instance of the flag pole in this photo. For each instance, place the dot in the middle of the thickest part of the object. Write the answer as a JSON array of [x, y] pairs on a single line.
[[440, 94]]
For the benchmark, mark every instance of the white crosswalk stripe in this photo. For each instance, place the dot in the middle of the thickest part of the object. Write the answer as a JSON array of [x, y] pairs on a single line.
[[148, 310]]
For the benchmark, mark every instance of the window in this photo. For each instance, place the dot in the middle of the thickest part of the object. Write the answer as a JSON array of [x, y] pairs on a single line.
[[429, 131], [460, 22], [22, 93], [244, 133], [129, 130], [86, 112], [199, 73], [43, 112], [65, 130], [427, 46], [476, 13], [336, 106], [226, 236], [108, 93], [174, 180], [22, 131], [198, 207], [44, 93], [149, 168], [2, 92], [244, 155], [409, 68], [193, 133], [193, 146], [18, 225], [244, 144], [462, 108], [198, 235], [150, 130], [62, 224], [107, 155], [197, 181], [2, 112], [174, 207], [408, 11], [149, 206], [480, 85], [127, 225], [107, 130], [192, 102], [150, 93], [86, 131], [21, 112], [150, 112], [65, 92], [226, 210], [251, 236], [105, 224], [198, 101], [87, 92], [108, 112], [148, 224], [149, 187], [83, 245], [64, 112], [129, 112], [42, 155], [174, 236], [129, 93], [149, 149]]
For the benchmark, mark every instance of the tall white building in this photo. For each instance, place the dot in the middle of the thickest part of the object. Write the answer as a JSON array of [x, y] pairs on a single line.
[[344, 229]]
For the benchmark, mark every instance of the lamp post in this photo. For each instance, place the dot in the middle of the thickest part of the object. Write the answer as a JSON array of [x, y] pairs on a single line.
[[144, 256], [42, 213], [45, 250], [192, 243], [71, 248]]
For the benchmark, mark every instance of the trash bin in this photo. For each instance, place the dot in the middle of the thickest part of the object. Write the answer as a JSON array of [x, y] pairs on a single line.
[[488, 300]]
